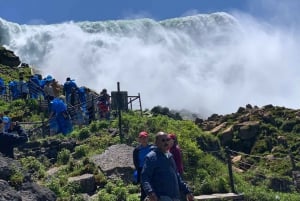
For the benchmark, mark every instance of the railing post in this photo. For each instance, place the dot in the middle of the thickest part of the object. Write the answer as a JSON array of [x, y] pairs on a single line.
[[119, 112], [229, 164], [140, 101]]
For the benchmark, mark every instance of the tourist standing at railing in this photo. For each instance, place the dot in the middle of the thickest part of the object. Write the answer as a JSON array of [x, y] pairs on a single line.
[[2, 87], [49, 92], [56, 88], [13, 89], [67, 89], [90, 104], [34, 87], [23, 88], [59, 117], [103, 103]]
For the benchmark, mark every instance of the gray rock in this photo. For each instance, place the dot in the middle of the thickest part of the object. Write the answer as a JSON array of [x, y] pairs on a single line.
[[116, 161]]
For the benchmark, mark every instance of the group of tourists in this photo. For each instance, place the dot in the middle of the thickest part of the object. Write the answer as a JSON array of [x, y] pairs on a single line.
[[159, 168], [68, 104]]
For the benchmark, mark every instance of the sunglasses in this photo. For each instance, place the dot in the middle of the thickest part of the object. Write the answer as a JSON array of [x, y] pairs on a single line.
[[165, 140]]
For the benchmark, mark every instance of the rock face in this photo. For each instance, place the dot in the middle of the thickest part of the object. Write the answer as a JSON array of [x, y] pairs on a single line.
[[116, 161], [8, 58], [86, 182], [26, 191], [250, 127]]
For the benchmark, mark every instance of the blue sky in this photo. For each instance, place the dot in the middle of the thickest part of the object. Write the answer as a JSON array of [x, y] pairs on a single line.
[[56, 11]]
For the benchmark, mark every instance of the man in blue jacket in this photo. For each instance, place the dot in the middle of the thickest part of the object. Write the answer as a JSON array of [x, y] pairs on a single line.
[[160, 178]]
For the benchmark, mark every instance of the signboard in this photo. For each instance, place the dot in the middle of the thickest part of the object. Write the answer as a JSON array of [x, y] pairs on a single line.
[[119, 99]]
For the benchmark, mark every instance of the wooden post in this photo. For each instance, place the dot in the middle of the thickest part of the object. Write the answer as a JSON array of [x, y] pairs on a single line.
[[130, 100], [140, 104], [119, 112], [229, 164]]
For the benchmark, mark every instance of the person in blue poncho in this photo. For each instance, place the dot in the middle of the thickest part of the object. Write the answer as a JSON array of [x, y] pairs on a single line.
[[34, 87], [59, 118], [67, 89], [13, 89], [7, 122], [2, 87]]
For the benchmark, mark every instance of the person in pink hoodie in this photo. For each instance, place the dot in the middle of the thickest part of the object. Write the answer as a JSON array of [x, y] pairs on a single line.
[[176, 151]]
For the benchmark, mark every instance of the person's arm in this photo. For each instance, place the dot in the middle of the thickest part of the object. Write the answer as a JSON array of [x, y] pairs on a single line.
[[147, 174], [184, 188], [136, 158], [14, 139]]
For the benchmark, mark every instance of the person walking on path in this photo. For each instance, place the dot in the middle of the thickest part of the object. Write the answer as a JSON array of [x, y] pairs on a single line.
[[176, 151], [139, 154], [160, 178]]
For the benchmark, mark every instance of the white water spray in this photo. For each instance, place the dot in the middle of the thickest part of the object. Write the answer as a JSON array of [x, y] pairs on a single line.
[[204, 63]]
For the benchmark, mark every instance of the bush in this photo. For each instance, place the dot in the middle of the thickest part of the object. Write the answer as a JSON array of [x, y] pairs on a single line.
[[84, 134], [105, 196], [16, 179], [81, 151], [288, 126], [34, 166], [63, 157]]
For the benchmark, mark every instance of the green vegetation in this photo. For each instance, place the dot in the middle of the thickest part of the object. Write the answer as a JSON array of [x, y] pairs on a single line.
[[203, 153]]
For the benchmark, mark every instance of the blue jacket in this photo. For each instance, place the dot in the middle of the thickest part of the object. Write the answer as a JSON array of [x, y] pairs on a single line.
[[159, 175], [139, 154]]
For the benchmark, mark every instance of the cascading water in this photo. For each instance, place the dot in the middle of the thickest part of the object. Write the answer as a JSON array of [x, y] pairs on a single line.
[[210, 63]]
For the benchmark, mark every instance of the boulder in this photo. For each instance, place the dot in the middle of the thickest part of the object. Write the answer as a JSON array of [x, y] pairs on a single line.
[[226, 135], [26, 191], [8, 193], [218, 128], [85, 182], [248, 130], [8, 58], [116, 161]]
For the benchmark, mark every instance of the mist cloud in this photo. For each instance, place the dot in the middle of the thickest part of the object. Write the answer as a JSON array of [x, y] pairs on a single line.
[[256, 62]]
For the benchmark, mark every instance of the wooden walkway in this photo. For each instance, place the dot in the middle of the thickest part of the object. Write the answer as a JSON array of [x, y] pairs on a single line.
[[219, 196]]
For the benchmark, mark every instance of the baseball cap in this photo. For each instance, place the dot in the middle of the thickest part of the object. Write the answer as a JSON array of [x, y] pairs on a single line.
[[143, 134], [172, 136]]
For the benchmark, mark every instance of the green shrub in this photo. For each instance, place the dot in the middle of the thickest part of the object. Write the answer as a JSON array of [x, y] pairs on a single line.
[[94, 127], [288, 126], [63, 156], [81, 151], [54, 185], [84, 134], [100, 179], [34, 166], [16, 178], [109, 187], [103, 124], [105, 196], [120, 192], [133, 197]]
